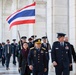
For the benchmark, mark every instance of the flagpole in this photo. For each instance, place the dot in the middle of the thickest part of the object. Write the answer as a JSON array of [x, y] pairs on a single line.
[[14, 28], [31, 25], [1, 21], [49, 20]]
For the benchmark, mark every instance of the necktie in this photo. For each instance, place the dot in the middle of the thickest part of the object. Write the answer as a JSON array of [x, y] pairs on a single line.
[[62, 44], [8, 48]]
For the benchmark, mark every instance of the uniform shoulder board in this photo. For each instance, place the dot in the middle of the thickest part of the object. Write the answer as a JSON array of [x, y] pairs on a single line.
[[31, 48], [43, 48]]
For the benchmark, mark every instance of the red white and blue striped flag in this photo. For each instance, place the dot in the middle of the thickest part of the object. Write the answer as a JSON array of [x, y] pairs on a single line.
[[25, 15]]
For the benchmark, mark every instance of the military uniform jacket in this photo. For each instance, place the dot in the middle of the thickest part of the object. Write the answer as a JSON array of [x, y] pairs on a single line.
[[30, 44], [37, 58], [14, 46], [73, 52], [48, 47], [61, 54]]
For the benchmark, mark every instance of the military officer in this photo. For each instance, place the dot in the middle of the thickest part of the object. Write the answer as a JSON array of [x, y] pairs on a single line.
[[73, 53], [23, 39], [61, 55], [30, 44], [46, 45], [37, 58], [33, 37], [73, 50], [14, 46]]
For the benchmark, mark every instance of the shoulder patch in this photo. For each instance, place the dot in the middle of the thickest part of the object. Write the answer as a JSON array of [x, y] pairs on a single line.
[[31, 48], [43, 48]]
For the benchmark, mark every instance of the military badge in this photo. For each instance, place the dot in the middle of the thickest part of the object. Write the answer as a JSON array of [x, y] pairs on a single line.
[[42, 51], [66, 47], [34, 53]]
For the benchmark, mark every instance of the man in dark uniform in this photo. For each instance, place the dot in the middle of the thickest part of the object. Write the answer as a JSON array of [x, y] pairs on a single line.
[[14, 46], [8, 53], [0, 51], [23, 39], [73, 52], [37, 58], [30, 44], [47, 46], [61, 55], [33, 37], [3, 55]]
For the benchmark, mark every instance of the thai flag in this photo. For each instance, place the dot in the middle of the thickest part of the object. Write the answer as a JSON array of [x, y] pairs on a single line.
[[25, 15]]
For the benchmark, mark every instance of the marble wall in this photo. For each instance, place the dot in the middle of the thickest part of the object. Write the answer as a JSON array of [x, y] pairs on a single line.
[[60, 17], [52, 16]]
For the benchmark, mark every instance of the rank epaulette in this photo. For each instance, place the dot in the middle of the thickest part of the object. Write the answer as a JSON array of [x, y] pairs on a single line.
[[43, 48], [31, 48]]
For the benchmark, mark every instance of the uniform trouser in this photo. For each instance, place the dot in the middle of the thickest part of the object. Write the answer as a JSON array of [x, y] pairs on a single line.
[[25, 71], [61, 70], [37, 72], [7, 60], [3, 60], [46, 73], [14, 59]]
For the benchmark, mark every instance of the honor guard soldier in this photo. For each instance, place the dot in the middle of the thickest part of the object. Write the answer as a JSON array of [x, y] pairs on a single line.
[[61, 55], [37, 58], [33, 37], [19, 47], [23, 39], [30, 44], [14, 46], [47, 46]]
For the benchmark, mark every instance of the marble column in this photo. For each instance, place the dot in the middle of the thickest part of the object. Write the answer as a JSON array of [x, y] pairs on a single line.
[[30, 32], [1, 18], [14, 28], [49, 20], [49, 28], [72, 26]]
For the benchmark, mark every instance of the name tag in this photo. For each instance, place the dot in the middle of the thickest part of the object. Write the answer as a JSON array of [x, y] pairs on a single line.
[[56, 48]]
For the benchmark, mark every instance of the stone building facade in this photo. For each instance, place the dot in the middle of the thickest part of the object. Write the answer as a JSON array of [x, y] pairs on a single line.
[[52, 16]]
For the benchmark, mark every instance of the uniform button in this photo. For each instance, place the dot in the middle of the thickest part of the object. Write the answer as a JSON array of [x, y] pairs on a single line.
[[38, 56], [62, 55], [38, 59]]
